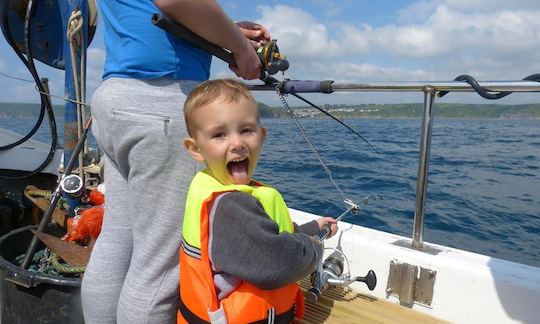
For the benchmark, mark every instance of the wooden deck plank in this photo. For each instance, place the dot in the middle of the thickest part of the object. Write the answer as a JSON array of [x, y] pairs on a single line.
[[343, 305]]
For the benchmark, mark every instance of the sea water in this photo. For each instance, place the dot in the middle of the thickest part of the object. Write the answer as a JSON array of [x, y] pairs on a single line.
[[483, 193]]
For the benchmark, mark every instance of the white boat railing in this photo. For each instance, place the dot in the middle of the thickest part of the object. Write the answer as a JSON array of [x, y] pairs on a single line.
[[430, 89]]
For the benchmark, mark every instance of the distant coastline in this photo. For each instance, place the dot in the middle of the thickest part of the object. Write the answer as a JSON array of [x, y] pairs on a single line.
[[412, 110], [375, 111]]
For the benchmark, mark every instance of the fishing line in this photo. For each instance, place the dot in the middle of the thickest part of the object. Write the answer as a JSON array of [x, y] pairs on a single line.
[[334, 118], [310, 144], [64, 98], [47, 93], [352, 207], [16, 78]]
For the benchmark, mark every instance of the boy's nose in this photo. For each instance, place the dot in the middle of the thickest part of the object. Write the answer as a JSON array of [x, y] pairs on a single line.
[[237, 142]]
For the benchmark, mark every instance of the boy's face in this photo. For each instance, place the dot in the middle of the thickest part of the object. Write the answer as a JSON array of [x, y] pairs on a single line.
[[228, 138]]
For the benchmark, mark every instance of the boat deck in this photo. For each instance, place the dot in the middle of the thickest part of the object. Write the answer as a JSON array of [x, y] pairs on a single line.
[[343, 305]]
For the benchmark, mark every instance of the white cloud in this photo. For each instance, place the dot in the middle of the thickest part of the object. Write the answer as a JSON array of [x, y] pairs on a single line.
[[298, 32], [417, 11], [448, 32], [429, 40], [443, 32], [445, 39], [94, 68], [352, 40], [364, 71], [408, 41], [490, 5]]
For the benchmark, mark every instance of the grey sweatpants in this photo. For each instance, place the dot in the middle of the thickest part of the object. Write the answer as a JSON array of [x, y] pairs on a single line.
[[132, 276]]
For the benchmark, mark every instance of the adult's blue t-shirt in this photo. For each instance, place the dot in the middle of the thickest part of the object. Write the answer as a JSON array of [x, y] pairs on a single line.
[[136, 48]]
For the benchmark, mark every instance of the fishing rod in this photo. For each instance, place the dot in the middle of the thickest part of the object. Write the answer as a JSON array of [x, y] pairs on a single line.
[[353, 208], [271, 63], [55, 197]]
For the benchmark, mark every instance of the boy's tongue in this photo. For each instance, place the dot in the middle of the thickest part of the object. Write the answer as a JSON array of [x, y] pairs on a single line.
[[239, 171]]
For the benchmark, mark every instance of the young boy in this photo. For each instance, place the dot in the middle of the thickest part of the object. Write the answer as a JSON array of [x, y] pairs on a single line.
[[241, 254]]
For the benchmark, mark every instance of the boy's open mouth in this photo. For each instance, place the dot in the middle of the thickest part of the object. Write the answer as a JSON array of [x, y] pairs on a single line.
[[239, 170]]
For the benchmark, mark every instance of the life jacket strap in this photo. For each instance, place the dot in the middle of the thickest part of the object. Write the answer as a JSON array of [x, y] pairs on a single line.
[[188, 315], [283, 318]]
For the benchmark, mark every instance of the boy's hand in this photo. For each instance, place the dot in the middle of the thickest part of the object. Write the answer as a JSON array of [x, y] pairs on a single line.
[[331, 221]]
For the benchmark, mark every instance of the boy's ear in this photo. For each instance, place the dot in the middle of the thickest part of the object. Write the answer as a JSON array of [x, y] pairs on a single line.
[[263, 134], [191, 146]]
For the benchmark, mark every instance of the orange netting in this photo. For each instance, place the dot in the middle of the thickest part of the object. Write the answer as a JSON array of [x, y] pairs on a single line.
[[88, 223]]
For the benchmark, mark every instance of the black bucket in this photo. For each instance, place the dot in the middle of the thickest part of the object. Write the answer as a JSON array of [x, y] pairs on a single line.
[[31, 297]]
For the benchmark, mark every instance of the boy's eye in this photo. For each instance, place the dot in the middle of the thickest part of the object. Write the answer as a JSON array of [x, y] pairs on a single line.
[[247, 130], [218, 135]]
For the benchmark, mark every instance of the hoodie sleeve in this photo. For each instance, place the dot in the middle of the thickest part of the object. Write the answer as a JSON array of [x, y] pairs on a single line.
[[246, 243]]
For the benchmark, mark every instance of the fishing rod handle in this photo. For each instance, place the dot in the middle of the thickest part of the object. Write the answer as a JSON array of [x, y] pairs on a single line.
[[303, 86], [324, 232], [182, 32]]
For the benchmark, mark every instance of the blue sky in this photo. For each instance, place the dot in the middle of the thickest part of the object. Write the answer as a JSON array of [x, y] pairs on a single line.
[[358, 41]]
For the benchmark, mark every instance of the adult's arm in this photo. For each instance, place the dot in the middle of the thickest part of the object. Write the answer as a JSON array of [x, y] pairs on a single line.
[[207, 19], [247, 244]]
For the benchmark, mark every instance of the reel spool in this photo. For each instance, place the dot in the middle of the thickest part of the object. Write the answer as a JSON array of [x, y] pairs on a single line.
[[330, 274], [271, 58], [73, 186]]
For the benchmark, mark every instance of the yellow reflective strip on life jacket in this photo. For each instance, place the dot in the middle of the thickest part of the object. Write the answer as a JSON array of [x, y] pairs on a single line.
[[204, 185]]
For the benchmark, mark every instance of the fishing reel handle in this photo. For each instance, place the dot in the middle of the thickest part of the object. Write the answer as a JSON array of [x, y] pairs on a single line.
[[370, 279], [322, 280]]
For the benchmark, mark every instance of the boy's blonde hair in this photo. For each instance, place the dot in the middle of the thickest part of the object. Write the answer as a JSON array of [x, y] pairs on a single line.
[[212, 90]]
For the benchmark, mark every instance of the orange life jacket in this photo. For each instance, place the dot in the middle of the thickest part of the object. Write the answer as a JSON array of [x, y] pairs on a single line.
[[246, 304]]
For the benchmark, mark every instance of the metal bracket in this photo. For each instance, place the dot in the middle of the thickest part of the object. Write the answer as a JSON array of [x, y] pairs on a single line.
[[410, 283]]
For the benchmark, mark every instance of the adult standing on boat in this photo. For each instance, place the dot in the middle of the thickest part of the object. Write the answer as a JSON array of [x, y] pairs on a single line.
[[132, 276]]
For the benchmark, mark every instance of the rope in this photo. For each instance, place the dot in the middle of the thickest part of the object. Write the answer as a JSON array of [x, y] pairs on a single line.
[[63, 204], [40, 193], [76, 41], [64, 268]]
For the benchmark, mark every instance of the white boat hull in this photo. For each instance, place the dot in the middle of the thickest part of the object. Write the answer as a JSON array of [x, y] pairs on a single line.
[[468, 287]]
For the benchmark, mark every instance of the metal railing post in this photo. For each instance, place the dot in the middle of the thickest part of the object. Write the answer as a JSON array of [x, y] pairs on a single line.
[[423, 166]]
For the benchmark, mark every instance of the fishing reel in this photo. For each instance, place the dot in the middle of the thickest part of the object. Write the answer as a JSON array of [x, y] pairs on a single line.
[[270, 57], [330, 271], [268, 52], [73, 186], [330, 274]]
